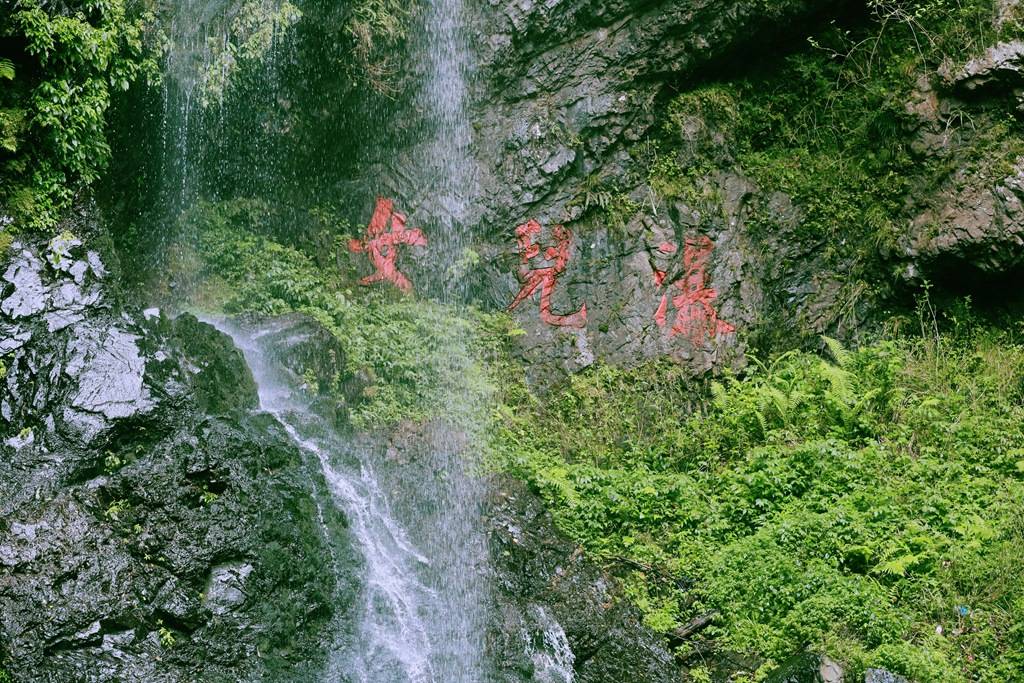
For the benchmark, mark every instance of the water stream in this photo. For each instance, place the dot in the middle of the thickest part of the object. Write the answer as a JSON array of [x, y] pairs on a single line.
[[396, 607], [420, 614]]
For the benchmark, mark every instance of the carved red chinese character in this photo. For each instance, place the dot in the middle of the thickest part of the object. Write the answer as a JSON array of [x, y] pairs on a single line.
[[382, 246], [696, 317], [545, 277]]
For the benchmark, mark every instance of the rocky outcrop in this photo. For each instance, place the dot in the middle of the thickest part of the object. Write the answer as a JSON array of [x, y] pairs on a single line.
[[971, 224], [571, 90], [568, 93], [975, 223], [577, 81], [1001, 66], [558, 616], [153, 527]]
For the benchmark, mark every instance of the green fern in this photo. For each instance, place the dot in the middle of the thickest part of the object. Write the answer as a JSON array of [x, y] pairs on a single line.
[[839, 352], [897, 566], [840, 383], [7, 69], [762, 422], [718, 394], [782, 403]]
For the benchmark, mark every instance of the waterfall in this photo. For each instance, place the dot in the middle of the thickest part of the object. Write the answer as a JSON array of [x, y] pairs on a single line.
[[453, 535], [392, 638], [448, 169], [419, 614], [421, 611]]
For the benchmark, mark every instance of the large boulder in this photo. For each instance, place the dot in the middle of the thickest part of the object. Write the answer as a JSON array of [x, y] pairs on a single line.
[[154, 528]]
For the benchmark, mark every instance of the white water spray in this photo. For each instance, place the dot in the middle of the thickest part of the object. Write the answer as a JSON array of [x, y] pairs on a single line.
[[392, 642]]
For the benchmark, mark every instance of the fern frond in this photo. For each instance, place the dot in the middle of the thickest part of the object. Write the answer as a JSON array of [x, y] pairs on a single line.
[[840, 382], [7, 69], [839, 352], [897, 566], [762, 422], [718, 394], [782, 404]]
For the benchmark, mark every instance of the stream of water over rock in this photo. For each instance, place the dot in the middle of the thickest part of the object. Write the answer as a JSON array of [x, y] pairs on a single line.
[[393, 640], [420, 613]]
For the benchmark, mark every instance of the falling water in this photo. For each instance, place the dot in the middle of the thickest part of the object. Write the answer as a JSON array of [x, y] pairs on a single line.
[[423, 594], [393, 639], [453, 531], [553, 659], [448, 168], [197, 28]]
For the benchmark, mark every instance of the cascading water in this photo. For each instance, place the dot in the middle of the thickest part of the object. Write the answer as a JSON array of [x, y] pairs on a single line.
[[451, 531], [447, 169], [392, 640], [418, 617], [423, 593]]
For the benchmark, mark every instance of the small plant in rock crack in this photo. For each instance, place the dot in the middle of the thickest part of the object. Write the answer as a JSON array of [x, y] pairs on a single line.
[[166, 635], [309, 380], [112, 462], [116, 509]]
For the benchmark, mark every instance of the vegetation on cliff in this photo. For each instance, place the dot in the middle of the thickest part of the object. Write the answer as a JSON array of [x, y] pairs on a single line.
[[413, 356], [62, 63], [865, 506], [832, 126]]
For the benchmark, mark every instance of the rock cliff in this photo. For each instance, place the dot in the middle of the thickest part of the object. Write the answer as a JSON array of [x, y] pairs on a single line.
[[154, 527]]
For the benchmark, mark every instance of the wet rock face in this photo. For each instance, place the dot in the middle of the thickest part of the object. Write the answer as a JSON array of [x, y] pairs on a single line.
[[566, 94], [311, 352], [151, 527], [558, 617], [566, 91]]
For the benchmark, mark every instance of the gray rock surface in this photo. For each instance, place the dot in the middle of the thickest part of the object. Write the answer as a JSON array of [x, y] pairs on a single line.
[[555, 610], [975, 222], [971, 223], [882, 676], [152, 528], [566, 91], [1001, 65]]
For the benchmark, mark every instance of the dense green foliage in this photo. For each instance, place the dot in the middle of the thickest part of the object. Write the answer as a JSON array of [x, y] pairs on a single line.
[[828, 125], [867, 506], [421, 359], [66, 59]]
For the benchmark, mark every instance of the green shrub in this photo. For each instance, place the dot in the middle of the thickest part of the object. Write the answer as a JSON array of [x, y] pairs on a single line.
[[53, 110], [422, 358], [861, 505]]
